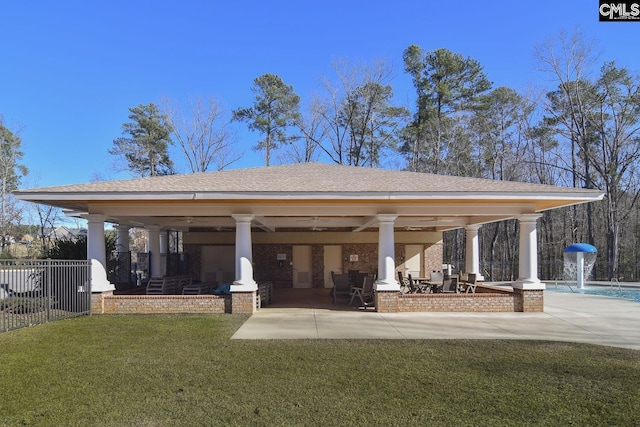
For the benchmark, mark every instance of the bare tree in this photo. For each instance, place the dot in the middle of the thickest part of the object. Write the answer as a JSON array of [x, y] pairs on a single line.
[[203, 133], [304, 148], [356, 114], [600, 120]]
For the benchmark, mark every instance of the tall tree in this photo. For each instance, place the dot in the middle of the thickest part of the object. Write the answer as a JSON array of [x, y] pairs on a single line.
[[275, 110], [569, 59], [145, 148], [447, 85], [500, 131], [11, 172], [617, 126], [372, 123], [203, 134], [599, 119]]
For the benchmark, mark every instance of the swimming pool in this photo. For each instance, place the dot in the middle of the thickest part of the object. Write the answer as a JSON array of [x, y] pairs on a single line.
[[632, 293]]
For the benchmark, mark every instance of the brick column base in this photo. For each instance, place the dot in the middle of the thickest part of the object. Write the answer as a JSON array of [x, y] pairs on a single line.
[[531, 301], [243, 302], [97, 301], [387, 301]]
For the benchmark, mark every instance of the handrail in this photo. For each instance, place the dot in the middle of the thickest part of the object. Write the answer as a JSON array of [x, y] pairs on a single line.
[[616, 283], [565, 282]]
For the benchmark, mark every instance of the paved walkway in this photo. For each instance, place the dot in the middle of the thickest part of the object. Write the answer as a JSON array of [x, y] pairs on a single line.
[[567, 317]]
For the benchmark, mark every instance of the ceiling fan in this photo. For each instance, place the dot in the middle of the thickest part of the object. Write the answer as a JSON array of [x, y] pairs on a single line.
[[314, 223], [204, 222]]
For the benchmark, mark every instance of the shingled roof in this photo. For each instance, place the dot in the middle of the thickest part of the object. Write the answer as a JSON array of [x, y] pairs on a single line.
[[306, 178], [283, 196]]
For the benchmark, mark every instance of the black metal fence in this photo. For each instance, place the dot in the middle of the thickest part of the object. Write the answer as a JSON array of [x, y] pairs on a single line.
[[38, 291], [552, 270]]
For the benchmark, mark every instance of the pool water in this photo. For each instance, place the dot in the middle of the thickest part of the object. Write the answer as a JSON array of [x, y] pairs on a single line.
[[632, 293]]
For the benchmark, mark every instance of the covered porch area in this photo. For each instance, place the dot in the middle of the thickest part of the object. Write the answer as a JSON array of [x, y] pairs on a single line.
[[242, 227]]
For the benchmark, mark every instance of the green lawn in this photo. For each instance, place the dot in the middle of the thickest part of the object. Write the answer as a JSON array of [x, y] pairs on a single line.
[[184, 370]]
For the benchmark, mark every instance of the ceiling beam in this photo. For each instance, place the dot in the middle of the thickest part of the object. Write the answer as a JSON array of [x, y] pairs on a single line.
[[261, 223], [368, 223]]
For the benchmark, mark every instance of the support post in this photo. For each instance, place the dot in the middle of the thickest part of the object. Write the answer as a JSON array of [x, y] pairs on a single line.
[[244, 259], [472, 250], [386, 254], [163, 238], [122, 238], [97, 254], [528, 254], [153, 236]]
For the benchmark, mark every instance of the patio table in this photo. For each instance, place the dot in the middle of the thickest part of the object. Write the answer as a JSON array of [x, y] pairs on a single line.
[[424, 285]]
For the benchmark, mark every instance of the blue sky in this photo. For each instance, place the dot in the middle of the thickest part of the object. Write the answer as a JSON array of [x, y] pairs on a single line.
[[70, 70]]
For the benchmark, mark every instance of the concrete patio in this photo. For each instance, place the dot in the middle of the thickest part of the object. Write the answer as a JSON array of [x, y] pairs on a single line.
[[566, 317]]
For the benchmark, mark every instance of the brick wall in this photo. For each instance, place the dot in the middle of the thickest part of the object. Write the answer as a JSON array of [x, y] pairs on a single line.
[[243, 302], [433, 257], [387, 301], [531, 301], [97, 301], [108, 303], [480, 302], [267, 267], [317, 266], [367, 257]]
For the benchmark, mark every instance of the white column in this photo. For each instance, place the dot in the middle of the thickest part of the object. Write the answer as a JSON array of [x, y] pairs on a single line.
[[528, 254], [164, 241], [386, 255], [244, 259], [164, 249], [122, 238], [153, 236], [472, 250], [97, 254]]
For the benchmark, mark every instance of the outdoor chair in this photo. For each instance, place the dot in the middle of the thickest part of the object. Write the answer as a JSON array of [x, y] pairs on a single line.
[[364, 292], [202, 288], [450, 286], [405, 284], [341, 287], [436, 281], [470, 284], [418, 286], [161, 286]]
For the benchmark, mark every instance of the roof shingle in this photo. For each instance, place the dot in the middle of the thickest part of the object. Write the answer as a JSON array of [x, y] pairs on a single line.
[[308, 178]]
